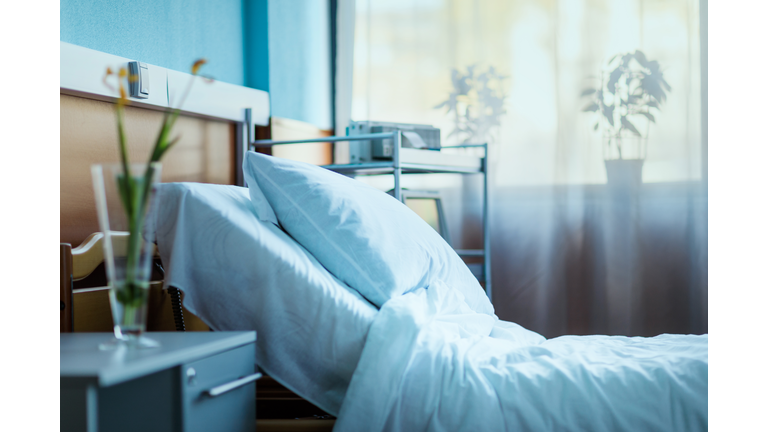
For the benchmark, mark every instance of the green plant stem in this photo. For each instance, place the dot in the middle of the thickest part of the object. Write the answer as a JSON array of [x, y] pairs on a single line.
[[135, 194], [121, 137], [128, 315], [134, 250], [140, 200], [139, 192]]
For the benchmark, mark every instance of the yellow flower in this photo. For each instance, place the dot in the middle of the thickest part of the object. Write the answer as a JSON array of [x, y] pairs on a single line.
[[196, 66], [123, 96], [106, 75]]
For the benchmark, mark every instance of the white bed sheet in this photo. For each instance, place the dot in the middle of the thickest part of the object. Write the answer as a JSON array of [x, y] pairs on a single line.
[[239, 273], [432, 364]]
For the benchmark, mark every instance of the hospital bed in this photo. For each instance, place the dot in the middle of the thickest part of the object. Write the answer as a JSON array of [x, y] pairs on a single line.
[[385, 330]]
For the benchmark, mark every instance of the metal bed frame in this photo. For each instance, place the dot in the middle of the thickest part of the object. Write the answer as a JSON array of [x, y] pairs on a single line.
[[397, 169]]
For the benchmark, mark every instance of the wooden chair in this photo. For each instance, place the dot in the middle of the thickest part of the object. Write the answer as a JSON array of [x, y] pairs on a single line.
[[67, 325], [85, 296]]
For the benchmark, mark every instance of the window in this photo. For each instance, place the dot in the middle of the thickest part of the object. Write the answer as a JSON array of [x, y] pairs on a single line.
[[405, 50]]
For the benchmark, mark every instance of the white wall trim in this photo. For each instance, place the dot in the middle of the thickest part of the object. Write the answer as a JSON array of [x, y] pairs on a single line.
[[345, 48], [82, 72]]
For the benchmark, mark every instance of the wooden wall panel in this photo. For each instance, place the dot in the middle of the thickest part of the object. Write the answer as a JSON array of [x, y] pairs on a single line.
[[282, 129], [88, 135]]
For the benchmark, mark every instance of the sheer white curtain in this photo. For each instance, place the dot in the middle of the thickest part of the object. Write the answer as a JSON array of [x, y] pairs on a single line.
[[572, 253]]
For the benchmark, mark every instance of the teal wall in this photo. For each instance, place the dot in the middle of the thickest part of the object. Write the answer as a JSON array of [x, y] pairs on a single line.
[[300, 60], [279, 46], [167, 33], [256, 44]]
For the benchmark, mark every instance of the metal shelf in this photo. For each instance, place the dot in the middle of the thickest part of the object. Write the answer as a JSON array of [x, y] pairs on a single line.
[[397, 167], [470, 252], [377, 168]]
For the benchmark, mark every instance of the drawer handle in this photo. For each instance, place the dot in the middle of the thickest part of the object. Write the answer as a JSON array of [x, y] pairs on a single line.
[[220, 390]]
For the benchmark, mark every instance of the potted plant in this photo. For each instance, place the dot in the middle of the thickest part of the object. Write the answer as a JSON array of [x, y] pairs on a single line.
[[124, 193], [629, 89], [477, 103]]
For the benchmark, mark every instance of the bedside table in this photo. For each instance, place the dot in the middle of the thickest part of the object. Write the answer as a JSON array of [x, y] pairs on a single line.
[[195, 381]]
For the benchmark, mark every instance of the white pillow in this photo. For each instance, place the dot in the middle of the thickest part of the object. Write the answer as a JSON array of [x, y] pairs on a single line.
[[365, 237], [239, 273]]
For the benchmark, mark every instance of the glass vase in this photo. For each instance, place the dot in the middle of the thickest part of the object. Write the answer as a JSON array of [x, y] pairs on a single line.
[[122, 205]]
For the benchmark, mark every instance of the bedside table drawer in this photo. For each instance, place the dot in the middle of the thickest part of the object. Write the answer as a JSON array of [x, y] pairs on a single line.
[[212, 396]]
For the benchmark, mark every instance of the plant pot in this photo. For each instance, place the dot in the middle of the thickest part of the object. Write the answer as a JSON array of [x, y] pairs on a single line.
[[624, 173], [128, 244]]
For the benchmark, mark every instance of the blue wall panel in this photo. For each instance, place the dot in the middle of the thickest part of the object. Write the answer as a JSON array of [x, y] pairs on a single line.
[[256, 44], [168, 33], [300, 60]]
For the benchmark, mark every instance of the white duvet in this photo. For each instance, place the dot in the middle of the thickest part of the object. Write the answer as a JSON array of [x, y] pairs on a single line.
[[431, 363]]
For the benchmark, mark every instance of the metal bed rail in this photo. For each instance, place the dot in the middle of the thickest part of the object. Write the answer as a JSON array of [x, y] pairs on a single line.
[[397, 169]]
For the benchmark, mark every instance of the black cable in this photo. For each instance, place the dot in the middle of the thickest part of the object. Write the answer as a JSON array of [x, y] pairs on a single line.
[[178, 313]]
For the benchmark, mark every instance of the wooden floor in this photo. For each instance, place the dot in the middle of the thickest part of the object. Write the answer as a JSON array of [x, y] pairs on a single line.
[[294, 425], [280, 409]]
